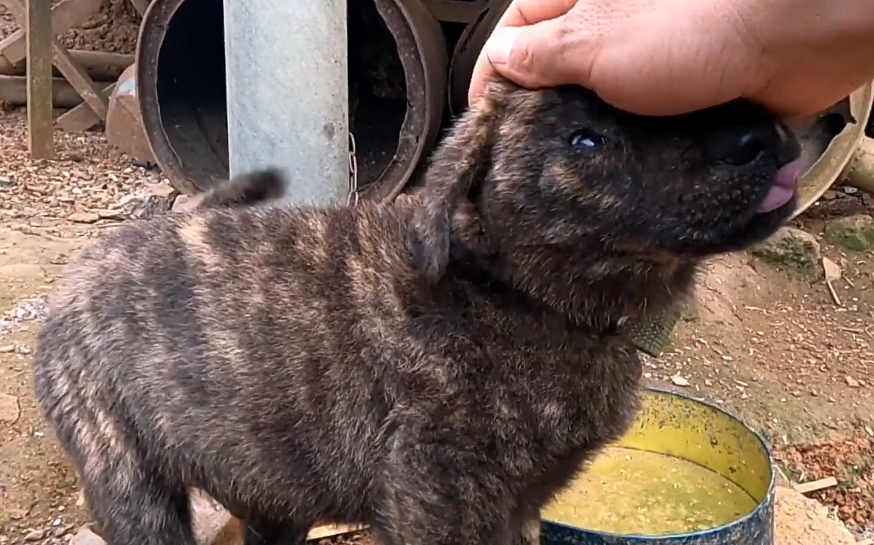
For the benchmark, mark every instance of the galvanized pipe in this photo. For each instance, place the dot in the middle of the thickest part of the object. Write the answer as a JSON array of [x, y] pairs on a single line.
[[287, 104]]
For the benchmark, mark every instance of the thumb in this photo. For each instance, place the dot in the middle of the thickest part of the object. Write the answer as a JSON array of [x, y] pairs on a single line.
[[544, 54]]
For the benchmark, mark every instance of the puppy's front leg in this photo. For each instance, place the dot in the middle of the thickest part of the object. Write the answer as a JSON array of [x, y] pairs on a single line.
[[439, 488], [527, 529]]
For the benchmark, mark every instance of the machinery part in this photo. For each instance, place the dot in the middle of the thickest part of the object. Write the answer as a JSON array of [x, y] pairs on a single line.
[[845, 155], [468, 48], [183, 98], [124, 128]]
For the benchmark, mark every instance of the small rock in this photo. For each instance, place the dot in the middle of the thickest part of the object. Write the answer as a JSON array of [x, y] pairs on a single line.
[[854, 233], [680, 381], [792, 249], [10, 409], [851, 382], [34, 535], [83, 217], [186, 203], [111, 214], [830, 195], [831, 269], [86, 536], [157, 200], [7, 349]]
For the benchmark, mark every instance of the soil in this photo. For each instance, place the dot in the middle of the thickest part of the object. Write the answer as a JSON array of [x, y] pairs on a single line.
[[39, 501], [113, 29]]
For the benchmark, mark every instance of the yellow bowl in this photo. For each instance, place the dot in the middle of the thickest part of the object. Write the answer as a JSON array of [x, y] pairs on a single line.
[[686, 473]]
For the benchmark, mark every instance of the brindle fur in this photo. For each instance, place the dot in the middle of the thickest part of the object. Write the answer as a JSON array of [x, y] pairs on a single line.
[[250, 189], [438, 367]]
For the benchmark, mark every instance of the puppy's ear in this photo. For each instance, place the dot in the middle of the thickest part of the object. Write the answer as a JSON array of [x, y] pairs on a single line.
[[245, 190], [461, 160]]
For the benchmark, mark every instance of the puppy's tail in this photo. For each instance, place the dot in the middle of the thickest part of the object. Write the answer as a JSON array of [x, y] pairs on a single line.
[[245, 190]]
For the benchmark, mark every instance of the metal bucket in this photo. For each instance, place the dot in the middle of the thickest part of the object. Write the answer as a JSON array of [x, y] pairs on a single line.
[[697, 432], [183, 103], [849, 157]]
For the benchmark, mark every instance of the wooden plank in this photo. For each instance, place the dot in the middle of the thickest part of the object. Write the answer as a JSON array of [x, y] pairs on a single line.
[[78, 79], [38, 22], [813, 486], [97, 64], [71, 71], [66, 15], [13, 89], [82, 117]]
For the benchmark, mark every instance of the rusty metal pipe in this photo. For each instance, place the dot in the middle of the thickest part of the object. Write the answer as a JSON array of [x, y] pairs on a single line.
[[397, 65], [13, 89]]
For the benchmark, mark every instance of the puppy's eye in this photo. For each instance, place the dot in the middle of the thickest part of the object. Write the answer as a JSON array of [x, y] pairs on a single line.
[[586, 140], [745, 150]]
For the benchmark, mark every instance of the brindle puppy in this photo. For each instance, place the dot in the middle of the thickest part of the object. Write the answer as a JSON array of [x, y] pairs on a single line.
[[438, 367]]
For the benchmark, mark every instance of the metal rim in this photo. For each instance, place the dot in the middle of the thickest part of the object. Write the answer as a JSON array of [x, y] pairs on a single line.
[[467, 50], [765, 507], [152, 32], [422, 50], [831, 165]]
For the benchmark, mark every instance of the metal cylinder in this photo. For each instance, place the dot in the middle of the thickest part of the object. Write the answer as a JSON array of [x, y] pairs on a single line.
[[287, 102], [397, 65]]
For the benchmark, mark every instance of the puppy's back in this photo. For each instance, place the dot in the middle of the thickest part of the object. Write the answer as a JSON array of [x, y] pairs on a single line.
[[164, 319]]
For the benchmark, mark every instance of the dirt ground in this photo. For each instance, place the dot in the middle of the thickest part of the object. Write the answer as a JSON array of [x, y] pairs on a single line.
[[113, 28]]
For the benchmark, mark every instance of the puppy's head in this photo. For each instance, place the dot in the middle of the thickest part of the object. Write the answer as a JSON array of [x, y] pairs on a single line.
[[561, 168]]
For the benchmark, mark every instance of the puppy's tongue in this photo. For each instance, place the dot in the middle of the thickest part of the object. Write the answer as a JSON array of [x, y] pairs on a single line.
[[784, 186]]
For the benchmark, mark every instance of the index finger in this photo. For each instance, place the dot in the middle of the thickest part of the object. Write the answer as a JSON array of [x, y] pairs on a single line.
[[518, 13]]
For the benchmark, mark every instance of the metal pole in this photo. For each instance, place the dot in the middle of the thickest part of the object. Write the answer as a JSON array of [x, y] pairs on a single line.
[[286, 66]]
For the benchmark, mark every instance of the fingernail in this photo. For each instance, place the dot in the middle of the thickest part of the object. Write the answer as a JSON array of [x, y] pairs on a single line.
[[500, 45]]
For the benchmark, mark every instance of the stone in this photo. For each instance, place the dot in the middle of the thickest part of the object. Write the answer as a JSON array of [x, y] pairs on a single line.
[[186, 203], [34, 535], [86, 536], [10, 409], [855, 233], [83, 217], [111, 214], [851, 382], [157, 200], [680, 381], [792, 249]]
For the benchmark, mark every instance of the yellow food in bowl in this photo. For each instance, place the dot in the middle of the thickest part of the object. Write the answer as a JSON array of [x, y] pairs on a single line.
[[635, 492]]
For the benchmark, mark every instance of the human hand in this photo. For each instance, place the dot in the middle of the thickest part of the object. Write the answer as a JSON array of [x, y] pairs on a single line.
[[661, 57]]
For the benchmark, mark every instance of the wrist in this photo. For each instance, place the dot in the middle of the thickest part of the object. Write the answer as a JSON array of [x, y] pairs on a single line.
[[825, 36]]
